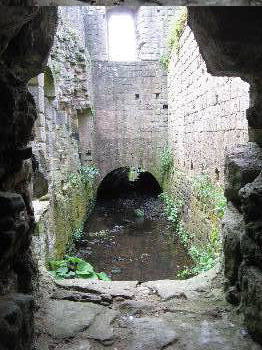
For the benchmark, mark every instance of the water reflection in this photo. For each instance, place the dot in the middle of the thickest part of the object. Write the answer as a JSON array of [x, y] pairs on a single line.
[[132, 240]]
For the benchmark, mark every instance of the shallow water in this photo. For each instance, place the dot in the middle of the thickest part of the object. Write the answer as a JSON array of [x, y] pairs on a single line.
[[128, 247]]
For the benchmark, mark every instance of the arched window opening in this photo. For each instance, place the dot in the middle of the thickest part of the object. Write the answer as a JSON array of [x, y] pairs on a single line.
[[121, 37]]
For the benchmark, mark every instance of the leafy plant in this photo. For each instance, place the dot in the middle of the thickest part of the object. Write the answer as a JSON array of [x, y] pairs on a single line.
[[210, 194], [172, 208], [77, 234], [139, 213], [85, 175], [73, 267], [166, 160], [174, 36], [176, 31], [88, 173], [164, 60], [204, 258], [133, 173]]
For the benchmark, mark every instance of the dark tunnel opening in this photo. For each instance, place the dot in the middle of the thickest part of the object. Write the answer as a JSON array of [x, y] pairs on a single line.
[[117, 184]]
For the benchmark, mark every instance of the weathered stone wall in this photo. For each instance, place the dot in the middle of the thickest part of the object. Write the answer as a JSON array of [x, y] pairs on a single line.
[[22, 57], [152, 27], [242, 227], [95, 22], [130, 99], [63, 102], [206, 117], [131, 114], [206, 113]]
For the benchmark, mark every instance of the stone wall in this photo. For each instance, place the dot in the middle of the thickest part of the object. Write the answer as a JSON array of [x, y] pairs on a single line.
[[206, 117], [63, 103], [130, 99], [95, 22], [152, 27], [242, 227], [22, 29], [131, 114], [206, 113]]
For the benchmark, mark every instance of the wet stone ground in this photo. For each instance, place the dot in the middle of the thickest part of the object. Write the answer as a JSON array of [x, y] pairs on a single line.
[[81, 314], [131, 239]]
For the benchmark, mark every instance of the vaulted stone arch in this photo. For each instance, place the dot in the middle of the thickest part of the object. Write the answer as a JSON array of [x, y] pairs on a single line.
[[124, 182]]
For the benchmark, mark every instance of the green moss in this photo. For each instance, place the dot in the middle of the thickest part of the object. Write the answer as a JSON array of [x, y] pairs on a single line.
[[166, 163], [176, 31], [71, 206], [177, 28]]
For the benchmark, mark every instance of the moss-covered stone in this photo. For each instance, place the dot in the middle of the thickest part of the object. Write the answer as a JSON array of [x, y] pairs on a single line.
[[70, 208], [200, 207]]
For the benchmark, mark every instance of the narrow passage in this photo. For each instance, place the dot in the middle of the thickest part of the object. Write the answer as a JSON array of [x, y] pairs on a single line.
[[127, 235]]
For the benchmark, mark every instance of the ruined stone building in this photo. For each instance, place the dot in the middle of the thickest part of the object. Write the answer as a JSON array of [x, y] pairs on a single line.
[[185, 87]]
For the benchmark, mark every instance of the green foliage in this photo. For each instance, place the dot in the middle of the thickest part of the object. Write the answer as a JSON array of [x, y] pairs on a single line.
[[134, 173], [184, 236], [139, 213], [77, 234], [172, 209], [210, 194], [88, 173], [56, 68], [176, 31], [73, 199], [72, 267], [174, 36], [203, 258], [166, 161], [164, 60], [85, 175]]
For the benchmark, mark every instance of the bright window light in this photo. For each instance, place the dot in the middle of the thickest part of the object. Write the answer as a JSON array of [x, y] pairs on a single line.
[[121, 38]]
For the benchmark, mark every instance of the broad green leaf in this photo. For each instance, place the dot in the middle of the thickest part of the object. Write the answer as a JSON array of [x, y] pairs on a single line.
[[89, 275], [70, 274], [103, 276], [62, 270], [84, 266]]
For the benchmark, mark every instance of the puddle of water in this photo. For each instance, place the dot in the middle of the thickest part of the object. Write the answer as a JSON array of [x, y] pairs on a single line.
[[131, 247]]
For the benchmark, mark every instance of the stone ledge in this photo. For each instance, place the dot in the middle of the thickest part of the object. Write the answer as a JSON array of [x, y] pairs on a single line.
[[125, 289]]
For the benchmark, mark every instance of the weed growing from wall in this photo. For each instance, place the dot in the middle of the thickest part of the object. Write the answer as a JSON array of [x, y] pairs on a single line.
[[208, 200], [164, 60], [176, 30], [166, 164], [209, 194], [166, 160]]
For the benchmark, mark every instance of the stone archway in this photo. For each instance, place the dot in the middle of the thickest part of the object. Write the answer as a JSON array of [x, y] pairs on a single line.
[[119, 183]]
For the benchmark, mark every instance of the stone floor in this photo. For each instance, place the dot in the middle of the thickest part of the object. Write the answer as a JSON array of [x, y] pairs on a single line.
[[90, 315]]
